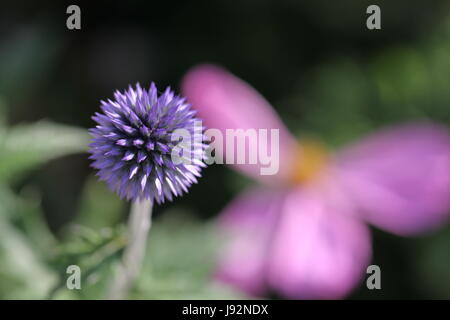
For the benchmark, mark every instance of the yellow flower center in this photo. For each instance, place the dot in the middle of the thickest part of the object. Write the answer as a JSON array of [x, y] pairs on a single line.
[[312, 157]]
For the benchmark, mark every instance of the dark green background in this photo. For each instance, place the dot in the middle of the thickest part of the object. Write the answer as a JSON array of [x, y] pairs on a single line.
[[315, 61]]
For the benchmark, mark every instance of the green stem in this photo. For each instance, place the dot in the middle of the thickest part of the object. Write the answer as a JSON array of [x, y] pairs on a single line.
[[138, 228]]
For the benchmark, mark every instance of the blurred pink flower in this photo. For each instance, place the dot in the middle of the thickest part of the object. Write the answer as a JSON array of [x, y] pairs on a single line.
[[303, 232]]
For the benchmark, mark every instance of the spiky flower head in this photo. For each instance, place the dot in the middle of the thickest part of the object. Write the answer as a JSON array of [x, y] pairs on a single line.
[[132, 144]]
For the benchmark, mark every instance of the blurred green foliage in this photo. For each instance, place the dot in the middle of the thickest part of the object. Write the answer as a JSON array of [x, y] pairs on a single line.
[[347, 97], [25, 238], [26, 146]]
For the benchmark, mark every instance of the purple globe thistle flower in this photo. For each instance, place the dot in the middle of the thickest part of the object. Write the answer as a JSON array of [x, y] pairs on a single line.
[[132, 144]]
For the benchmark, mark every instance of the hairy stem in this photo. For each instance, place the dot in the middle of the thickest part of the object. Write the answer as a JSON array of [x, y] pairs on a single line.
[[138, 228]]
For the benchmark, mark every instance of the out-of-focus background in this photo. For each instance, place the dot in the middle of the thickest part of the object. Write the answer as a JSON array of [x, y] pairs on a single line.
[[315, 61]]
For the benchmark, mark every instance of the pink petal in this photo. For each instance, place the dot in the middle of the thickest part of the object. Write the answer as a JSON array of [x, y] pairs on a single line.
[[223, 101], [248, 223], [320, 251], [400, 177]]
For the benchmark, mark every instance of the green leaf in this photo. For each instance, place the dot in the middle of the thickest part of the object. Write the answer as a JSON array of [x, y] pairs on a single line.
[[23, 274], [26, 146], [24, 212], [93, 251]]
